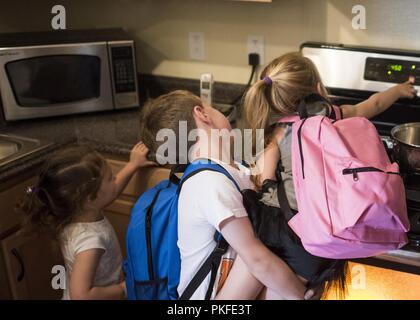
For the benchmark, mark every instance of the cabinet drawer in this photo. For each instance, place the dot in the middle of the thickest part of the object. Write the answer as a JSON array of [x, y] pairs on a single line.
[[9, 218], [29, 260], [144, 179]]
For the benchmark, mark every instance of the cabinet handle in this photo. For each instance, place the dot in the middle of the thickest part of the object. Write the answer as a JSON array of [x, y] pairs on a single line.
[[22, 266]]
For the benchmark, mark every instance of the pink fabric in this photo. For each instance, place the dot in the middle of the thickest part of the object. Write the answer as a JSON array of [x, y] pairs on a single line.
[[338, 217]]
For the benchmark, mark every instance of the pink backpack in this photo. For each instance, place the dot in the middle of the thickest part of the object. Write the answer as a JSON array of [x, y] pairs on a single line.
[[351, 198]]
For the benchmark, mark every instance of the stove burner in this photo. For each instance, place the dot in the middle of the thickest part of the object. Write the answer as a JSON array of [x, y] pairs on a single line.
[[413, 196], [412, 181], [413, 243]]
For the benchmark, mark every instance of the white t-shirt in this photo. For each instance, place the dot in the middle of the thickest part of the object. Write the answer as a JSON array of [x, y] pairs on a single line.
[[79, 237], [206, 200]]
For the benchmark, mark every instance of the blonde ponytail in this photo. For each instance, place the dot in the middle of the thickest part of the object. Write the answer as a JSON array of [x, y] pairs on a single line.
[[292, 77]]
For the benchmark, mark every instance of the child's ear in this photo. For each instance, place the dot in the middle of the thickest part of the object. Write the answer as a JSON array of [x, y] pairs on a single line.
[[200, 115]]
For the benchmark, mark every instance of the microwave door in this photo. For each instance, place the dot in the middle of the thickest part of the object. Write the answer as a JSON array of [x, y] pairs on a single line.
[[51, 80]]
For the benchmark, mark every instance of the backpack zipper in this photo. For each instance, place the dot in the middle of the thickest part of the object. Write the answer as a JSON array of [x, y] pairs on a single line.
[[356, 171], [148, 223], [302, 161], [149, 243]]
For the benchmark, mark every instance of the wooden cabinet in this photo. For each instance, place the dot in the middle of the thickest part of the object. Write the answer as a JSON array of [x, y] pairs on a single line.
[[118, 213], [254, 0], [25, 261], [5, 292], [9, 218], [29, 261]]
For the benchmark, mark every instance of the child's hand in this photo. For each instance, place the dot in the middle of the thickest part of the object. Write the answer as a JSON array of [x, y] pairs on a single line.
[[138, 156], [406, 89]]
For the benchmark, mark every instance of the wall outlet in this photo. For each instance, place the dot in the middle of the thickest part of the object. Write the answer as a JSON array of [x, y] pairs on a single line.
[[196, 42], [256, 45]]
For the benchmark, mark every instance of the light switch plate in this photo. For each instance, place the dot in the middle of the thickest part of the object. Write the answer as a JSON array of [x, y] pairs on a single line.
[[196, 43]]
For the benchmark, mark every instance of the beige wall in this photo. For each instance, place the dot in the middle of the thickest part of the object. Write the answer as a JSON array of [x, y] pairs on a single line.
[[161, 28]]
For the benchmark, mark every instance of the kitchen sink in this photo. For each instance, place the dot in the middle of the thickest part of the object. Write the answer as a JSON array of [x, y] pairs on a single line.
[[8, 148], [15, 147]]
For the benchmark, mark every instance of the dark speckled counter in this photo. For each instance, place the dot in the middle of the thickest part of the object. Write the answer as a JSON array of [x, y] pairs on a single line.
[[111, 133]]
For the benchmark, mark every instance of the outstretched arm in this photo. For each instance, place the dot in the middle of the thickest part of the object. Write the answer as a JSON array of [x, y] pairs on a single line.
[[379, 102]]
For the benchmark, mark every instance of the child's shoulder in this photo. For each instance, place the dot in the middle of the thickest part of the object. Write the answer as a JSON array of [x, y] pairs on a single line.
[[76, 231], [78, 237], [208, 181]]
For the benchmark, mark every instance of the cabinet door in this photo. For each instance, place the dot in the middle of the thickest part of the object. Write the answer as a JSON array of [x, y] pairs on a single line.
[[29, 261], [5, 293], [10, 218]]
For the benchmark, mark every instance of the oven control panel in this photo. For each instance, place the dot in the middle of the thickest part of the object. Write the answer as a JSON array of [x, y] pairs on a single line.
[[391, 70]]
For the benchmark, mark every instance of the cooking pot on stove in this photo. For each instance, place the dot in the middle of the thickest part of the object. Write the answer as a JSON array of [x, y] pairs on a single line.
[[406, 147]]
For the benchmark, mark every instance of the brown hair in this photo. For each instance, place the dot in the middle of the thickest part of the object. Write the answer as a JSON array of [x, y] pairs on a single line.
[[293, 78], [165, 112], [67, 180]]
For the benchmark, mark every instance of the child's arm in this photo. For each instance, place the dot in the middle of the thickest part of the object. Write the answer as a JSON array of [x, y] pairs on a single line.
[[138, 159], [269, 269], [381, 101], [267, 163], [83, 274]]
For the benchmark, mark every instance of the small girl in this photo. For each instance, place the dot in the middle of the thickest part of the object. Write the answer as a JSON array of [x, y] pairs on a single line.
[[284, 83], [73, 188]]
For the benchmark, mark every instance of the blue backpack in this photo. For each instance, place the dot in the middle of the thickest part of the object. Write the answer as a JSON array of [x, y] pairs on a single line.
[[153, 263]]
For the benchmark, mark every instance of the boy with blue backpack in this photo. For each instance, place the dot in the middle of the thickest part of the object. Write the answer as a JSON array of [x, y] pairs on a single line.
[[180, 229]]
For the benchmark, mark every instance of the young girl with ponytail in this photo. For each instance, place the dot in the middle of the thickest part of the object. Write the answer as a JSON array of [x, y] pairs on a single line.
[[284, 83], [73, 188]]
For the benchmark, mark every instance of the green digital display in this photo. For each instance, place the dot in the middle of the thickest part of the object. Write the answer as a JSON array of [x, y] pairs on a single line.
[[396, 67], [391, 70]]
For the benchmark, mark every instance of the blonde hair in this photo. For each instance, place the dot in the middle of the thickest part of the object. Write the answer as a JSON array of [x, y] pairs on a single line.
[[293, 77]]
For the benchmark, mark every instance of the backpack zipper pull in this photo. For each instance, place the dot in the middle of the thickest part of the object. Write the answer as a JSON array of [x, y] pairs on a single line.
[[354, 172], [355, 175]]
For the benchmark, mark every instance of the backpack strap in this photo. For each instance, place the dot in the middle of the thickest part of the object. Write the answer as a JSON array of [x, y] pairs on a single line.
[[281, 193], [204, 165], [180, 168], [336, 113], [211, 265]]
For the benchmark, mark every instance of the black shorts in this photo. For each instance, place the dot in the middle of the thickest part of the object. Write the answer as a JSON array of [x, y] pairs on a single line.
[[271, 228]]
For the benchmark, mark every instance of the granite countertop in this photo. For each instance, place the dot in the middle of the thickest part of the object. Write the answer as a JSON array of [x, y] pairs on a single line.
[[112, 132], [108, 132]]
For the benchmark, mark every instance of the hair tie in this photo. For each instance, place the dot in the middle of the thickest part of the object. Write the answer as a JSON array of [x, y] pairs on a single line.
[[31, 190], [268, 81]]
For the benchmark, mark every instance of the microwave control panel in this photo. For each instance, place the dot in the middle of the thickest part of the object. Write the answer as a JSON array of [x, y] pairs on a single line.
[[123, 69]]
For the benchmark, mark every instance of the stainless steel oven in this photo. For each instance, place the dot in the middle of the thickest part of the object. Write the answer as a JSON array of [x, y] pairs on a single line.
[[57, 73]]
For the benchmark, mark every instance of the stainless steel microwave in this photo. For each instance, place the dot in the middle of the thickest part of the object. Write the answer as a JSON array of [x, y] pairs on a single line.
[[56, 73]]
